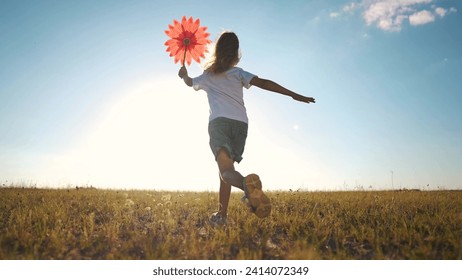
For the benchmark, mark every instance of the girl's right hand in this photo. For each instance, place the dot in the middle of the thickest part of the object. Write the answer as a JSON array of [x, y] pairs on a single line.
[[183, 72]]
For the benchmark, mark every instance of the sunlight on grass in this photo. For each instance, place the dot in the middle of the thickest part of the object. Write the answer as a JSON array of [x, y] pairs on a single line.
[[108, 224]]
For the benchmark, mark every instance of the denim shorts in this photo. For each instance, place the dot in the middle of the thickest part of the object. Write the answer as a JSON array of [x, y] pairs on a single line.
[[228, 134]]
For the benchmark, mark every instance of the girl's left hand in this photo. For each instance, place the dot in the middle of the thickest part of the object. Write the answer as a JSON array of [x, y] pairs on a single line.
[[305, 99]]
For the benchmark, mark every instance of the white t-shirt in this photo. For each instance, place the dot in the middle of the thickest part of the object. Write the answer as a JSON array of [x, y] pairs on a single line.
[[224, 92]]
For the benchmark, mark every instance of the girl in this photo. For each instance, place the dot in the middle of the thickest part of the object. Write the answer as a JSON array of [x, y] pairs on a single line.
[[228, 122]]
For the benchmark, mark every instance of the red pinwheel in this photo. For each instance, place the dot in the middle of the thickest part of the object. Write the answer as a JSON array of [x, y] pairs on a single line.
[[188, 40]]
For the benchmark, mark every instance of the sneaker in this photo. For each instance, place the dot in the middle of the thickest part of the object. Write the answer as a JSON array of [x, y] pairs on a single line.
[[217, 220], [259, 203]]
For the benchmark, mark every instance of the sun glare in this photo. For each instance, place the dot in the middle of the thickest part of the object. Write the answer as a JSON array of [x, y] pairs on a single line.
[[155, 136]]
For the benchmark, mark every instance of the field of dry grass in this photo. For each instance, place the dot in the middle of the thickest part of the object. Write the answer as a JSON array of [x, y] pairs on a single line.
[[115, 224]]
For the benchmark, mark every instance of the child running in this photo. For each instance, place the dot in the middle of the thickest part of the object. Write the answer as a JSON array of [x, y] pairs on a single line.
[[228, 122]]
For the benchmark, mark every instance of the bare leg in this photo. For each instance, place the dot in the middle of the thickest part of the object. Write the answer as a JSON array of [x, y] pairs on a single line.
[[228, 177], [258, 202], [227, 172], [225, 193]]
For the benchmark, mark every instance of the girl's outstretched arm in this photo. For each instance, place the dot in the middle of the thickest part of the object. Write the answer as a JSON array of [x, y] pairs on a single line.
[[272, 86], [183, 74]]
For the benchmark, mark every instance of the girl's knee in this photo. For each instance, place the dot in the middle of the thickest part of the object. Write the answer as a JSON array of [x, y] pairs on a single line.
[[232, 177], [227, 176]]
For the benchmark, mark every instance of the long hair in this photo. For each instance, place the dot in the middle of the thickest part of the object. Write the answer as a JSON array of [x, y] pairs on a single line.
[[226, 53]]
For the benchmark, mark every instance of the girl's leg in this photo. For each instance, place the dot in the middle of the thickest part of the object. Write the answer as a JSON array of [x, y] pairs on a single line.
[[225, 193], [227, 172]]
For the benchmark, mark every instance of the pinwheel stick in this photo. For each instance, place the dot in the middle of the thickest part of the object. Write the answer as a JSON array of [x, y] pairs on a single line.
[[186, 42]]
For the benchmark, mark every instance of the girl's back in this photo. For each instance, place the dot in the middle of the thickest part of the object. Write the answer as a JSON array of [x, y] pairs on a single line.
[[225, 92]]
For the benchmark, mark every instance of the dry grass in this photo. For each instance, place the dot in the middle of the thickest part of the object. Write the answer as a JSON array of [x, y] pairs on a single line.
[[110, 224]]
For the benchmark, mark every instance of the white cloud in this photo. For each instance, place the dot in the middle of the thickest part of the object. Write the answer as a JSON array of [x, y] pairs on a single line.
[[350, 7], [441, 11], [334, 14], [347, 9], [391, 15], [422, 17]]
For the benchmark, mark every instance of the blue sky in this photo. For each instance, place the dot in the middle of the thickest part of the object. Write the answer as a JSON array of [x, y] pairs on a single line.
[[88, 94]]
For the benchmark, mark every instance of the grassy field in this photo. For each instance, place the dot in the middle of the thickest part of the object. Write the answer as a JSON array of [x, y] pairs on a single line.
[[110, 224]]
